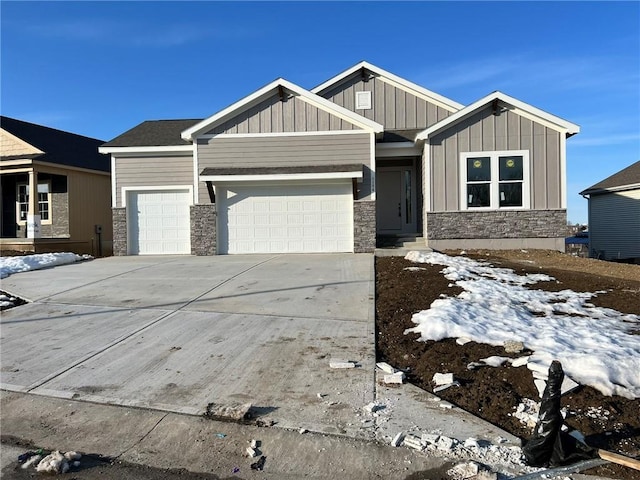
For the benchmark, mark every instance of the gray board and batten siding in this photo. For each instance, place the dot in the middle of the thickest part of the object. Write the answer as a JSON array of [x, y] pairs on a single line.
[[152, 171], [284, 151], [274, 115], [392, 107], [484, 131]]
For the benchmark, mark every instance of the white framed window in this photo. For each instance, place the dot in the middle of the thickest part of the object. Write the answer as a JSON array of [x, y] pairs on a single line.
[[363, 100], [495, 180], [44, 201]]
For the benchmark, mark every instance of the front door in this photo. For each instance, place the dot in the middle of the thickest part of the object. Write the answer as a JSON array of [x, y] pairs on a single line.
[[396, 200]]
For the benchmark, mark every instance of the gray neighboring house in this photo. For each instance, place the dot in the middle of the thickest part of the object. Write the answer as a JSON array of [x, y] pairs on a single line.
[[614, 216], [363, 155]]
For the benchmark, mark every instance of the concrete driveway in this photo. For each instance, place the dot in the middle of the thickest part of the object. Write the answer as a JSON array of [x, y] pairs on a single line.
[[178, 333]]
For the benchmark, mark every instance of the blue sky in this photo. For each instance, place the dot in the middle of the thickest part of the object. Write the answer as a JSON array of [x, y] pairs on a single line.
[[99, 68]]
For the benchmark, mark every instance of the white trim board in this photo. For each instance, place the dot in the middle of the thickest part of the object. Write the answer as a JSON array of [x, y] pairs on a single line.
[[163, 149], [280, 176], [282, 134], [397, 149], [125, 190], [395, 80], [268, 90]]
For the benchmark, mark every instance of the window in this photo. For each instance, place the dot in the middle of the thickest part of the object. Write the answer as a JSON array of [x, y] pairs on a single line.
[[44, 201], [494, 180]]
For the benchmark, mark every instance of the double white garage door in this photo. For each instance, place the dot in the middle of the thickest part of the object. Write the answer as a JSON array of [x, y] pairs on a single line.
[[252, 218]]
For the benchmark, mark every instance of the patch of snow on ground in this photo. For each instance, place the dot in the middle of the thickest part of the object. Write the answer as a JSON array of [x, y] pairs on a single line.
[[11, 265], [593, 344]]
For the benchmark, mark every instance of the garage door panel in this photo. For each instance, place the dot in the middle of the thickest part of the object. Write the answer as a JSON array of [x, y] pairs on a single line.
[[286, 218], [159, 222]]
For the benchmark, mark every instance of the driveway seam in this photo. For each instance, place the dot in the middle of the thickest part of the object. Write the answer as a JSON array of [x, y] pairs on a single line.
[[143, 437], [224, 282], [98, 281], [53, 376]]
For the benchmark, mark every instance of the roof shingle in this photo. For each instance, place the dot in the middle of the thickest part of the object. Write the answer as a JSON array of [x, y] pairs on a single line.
[[154, 133], [627, 176], [59, 147]]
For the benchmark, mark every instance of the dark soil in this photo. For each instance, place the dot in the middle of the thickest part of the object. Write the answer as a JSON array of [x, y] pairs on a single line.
[[494, 393]]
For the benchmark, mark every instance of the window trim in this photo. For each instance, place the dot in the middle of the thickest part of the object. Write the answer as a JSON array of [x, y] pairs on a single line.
[[49, 203], [494, 184]]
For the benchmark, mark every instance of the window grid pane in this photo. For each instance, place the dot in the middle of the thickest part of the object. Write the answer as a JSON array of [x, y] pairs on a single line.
[[511, 168], [479, 169], [479, 195], [43, 205]]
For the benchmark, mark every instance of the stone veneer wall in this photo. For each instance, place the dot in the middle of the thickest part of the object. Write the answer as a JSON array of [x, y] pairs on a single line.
[[364, 226], [203, 229], [496, 224], [119, 231]]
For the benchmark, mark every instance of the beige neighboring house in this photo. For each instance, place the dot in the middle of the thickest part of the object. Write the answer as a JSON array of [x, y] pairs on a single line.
[[614, 216], [55, 191], [362, 156]]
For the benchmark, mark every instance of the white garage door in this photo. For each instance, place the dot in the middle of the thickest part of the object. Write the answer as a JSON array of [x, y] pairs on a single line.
[[286, 218], [159, 222]]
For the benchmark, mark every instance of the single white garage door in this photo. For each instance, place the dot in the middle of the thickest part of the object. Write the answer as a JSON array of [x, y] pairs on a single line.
[[159, 222], [285, 218]]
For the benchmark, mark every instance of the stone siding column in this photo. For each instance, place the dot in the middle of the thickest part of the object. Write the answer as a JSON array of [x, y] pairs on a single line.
[[364, 226], [119, 231], [203, 229]]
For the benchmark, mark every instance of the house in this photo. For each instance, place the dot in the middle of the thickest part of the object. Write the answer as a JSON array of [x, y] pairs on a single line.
[[614, 216], [56, 190], [364, 154]]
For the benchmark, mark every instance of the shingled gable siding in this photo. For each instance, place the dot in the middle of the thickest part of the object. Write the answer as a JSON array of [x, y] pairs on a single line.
[[153, 171], [282, 151], [276, 116], [392, 107], [487, 132]]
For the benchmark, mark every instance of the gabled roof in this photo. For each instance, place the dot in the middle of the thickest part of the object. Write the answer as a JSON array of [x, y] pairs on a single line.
[[503, 99], [59, 147], [266, 92], [154, 133], [626, 179], [406, 85]]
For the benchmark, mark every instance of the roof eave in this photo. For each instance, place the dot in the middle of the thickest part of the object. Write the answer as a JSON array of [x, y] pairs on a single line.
[[247, 102], [620, 188], [451, 104], [560, 124]]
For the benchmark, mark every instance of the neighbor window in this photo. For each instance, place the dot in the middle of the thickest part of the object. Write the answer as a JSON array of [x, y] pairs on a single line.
[[493, 180], [44, 201]]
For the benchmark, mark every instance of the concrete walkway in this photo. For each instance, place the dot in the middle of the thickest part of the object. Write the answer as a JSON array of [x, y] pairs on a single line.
[[177, 334]]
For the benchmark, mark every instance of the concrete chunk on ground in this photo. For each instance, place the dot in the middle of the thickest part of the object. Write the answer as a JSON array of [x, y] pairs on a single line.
[[341, 364], [442, 378], [513, 346], [385, 367], [235, 412], [414, 442], [463, 471], [444, 387], [252, 452], [395, 378], [372, 407], [397, 440], [430, 438]]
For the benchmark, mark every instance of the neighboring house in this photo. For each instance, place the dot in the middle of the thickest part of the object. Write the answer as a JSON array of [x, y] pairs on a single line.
[[364, 154], [56, 190], [614, 216]]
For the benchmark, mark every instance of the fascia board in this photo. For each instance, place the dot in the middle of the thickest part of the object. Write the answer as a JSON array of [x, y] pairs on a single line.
[[563, 125], [405, 84], [620, 188], [280, 176], [150, 149]]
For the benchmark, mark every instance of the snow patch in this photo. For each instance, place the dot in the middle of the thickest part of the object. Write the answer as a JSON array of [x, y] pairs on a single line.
[[594, 345], [11, 265]]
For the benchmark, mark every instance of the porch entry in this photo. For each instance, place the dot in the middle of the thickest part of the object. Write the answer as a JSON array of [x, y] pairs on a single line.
[[396, 202]]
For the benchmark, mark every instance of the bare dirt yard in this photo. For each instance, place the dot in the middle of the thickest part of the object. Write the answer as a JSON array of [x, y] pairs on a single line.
[[608, 422]]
